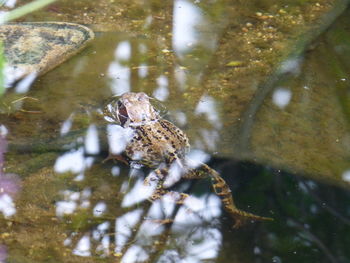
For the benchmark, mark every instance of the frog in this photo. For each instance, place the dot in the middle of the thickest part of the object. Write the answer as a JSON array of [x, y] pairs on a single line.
[[159, 145]]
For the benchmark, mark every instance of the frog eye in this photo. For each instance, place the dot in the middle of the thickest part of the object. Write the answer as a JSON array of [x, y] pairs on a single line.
[[122, 114], [119, 104]]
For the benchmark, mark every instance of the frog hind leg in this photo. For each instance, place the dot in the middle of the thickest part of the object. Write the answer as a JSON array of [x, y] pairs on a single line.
[[224, 192], [159, 191]]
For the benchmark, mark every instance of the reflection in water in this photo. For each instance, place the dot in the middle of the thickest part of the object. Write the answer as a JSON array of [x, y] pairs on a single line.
[[9, 183], [103, 208], [119, 73], [124, 227], [143, 70], [73, 161], [7, 206], [99, 209], [187, 19], [207, 106], [281, 97], [67, 125], [92, 145], [138, 230], [291, 65], [83, 247], [123, 51], [118, 138], [161, 92], [137, 194], [120, 78], [181, 78], [24, 85], [208, 138], [73, 200], [9, 3], [346, 176], [3, 253], [135, 229]]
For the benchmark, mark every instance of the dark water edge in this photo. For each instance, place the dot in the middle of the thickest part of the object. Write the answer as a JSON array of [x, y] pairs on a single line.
[[311, 219]]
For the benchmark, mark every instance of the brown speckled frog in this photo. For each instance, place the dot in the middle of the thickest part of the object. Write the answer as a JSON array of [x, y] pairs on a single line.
[[159, 144]]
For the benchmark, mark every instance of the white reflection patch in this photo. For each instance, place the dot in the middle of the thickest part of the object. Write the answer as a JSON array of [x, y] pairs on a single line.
[[92, 145], [104, 246], [143, 70], [138, 193], [79, 177], [3, 130], [291, 66], [118, 137], [281, 97], [180, 118], [24, 85], [120, 78], [186, 18], [11, 73], [162, 92], [208, 248], [197, 157], [135, 254], [83, 247], [346, 176], [181, 77], [150, 228], [86, 193], [72, 161], [123, 51], [162, 208], [65, 208], [115, 170], [10, 3], [209, 138], [208, 106], [207, 207], [99, 208], [195, 246], [7, 206], [67, 125], [124, 226], [174, 175]]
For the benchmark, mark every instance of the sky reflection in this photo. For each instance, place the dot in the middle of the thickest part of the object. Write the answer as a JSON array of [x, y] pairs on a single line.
[[281, 97], [3, 253], [10, 184], [186, 17], [119, 76]]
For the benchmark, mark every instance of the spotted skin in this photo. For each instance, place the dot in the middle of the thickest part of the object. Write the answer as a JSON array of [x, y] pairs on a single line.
[[158, 144]]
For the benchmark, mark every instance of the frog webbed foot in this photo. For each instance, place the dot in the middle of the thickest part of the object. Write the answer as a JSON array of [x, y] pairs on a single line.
[[241, 218], [158, 177]]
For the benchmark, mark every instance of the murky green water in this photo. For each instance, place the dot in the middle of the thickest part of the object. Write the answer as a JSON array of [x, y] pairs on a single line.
[[273, 120]]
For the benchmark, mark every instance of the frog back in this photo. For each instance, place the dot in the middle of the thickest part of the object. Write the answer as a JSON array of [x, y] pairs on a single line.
[[157, 142]]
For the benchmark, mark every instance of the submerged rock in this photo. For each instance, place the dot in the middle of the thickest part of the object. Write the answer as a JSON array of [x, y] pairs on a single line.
[[37, 47]]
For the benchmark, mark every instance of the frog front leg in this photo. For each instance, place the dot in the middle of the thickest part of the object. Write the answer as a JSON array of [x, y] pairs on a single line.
[[117, 157], [224, 192], [158, 177]]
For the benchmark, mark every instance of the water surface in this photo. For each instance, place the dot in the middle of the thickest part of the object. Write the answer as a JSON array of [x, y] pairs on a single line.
[[205, 61]]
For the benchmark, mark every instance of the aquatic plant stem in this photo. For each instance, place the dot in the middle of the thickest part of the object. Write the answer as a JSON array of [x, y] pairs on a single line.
[[24, 10]]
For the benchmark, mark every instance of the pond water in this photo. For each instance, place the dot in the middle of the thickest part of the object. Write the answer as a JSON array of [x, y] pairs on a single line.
[[261, 90]]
